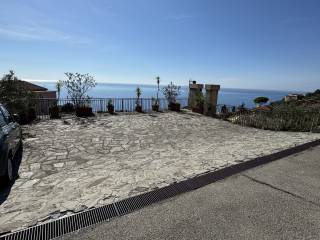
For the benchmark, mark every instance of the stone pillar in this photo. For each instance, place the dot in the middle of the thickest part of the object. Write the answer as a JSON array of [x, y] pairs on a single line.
[[193, 89], [211, 99]]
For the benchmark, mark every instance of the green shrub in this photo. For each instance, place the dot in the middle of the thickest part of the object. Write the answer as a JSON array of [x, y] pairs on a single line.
[[16, 98], [67, 108], [171, 92], [261, 100]]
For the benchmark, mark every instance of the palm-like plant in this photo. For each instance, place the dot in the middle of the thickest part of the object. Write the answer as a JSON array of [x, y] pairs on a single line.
[[138, 93], [158, 83], [59, 86]]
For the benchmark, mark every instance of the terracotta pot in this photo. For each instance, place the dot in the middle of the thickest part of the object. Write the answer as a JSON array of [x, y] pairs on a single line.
[[174, 107], [26, 117], [54, 112], [139, 109], [84, 112], [111, 109], [67, 108], [155, 108]]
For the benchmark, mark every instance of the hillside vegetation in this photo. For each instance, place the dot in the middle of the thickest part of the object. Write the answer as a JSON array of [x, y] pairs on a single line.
[[295, 115], [308, 102]]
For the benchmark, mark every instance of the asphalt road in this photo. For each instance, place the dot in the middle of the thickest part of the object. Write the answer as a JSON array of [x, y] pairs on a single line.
[[280, 200]]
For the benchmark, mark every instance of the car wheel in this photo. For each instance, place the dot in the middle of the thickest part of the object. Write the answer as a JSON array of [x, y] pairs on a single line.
[[9, 174], [20, 147]]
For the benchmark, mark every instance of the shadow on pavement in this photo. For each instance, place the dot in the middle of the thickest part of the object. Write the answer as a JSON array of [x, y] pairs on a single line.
[[5, 188]]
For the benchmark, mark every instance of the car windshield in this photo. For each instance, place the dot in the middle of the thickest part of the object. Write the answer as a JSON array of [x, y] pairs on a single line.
[[2, 120], [6, 114]]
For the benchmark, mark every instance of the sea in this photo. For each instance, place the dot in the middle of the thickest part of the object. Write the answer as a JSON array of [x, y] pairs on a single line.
[[227, 96]]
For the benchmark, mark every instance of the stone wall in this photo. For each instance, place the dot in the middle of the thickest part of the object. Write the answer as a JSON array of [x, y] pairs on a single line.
[[194, 89], [210, 98]]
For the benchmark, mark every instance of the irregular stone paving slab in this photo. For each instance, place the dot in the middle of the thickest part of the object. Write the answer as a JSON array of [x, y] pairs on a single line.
[[73, 164]]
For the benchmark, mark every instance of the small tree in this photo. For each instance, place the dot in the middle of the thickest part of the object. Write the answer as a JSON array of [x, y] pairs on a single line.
[[77, 86], [13, 93], [261, 100], [171, 92]]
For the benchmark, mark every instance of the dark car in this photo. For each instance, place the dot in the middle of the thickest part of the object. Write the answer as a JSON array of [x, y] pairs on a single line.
[[10, 142]]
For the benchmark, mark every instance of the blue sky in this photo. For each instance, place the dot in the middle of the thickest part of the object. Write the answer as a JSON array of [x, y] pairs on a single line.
[[256, 44]]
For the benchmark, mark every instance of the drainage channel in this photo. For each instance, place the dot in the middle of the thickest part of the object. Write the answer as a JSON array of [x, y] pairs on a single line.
[[93, 216]]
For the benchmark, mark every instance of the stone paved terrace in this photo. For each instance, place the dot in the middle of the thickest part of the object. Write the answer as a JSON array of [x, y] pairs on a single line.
[[72, 164]]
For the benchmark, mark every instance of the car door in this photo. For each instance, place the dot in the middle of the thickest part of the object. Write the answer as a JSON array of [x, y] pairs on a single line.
[[3, 144], [12, 129]]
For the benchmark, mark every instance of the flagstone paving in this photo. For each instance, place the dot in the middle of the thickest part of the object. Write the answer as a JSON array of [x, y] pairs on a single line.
[[72, 164]]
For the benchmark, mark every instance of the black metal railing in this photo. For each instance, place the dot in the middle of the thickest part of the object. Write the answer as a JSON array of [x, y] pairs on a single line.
[[223, 108], [42, 106]]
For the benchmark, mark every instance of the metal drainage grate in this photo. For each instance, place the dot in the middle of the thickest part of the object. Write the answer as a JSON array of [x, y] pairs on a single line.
[[65, 225], [87, 218]]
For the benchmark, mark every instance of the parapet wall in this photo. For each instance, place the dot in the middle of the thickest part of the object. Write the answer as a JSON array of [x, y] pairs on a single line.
[[195, 91], [210, 98]]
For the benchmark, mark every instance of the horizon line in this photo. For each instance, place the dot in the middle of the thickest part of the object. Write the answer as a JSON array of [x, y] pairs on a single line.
[[148, 84]]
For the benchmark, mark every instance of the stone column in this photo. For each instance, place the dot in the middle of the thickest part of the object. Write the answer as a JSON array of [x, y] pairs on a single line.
[[193, 89], [211, 99]]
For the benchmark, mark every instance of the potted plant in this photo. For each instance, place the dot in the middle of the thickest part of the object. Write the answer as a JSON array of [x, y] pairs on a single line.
[[171, 92], [174, 106], [67, 108], [26, 116], [77, 86], [54, 111], [199, 99], [84, 109], [138, 105], [110, 107], [155, 102]]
